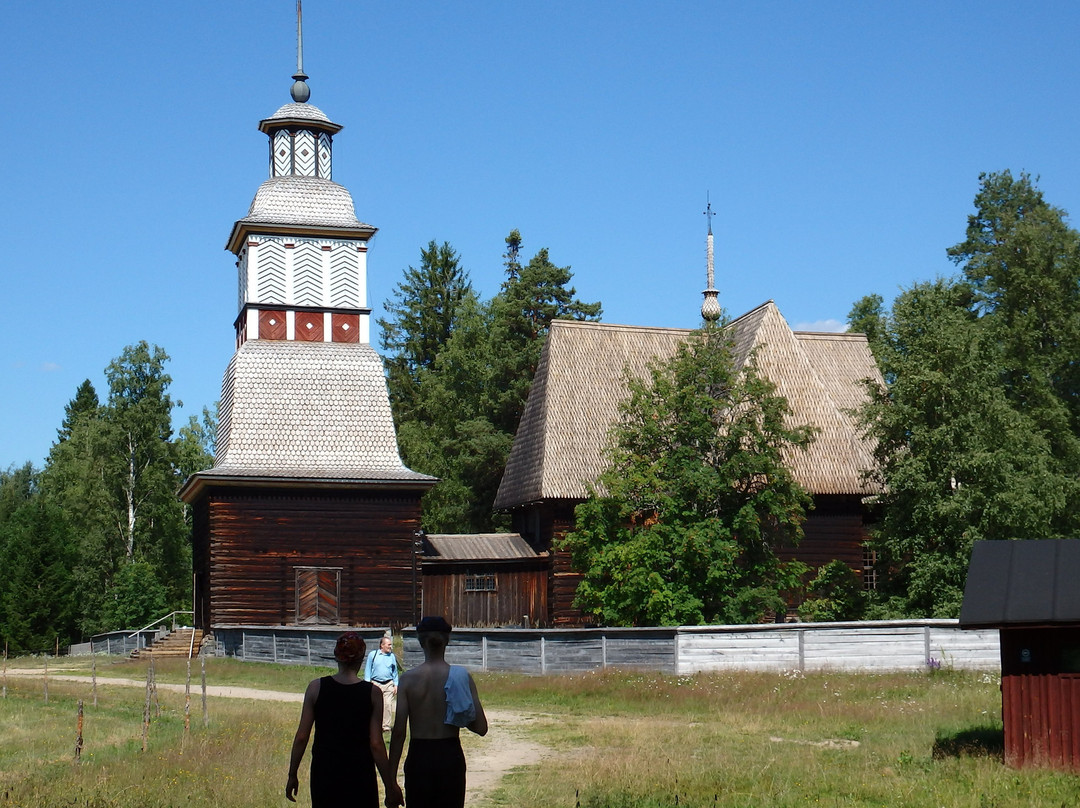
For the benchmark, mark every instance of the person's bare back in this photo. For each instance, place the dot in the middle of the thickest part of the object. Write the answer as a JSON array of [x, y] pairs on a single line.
[[425, 689], [422, 710]]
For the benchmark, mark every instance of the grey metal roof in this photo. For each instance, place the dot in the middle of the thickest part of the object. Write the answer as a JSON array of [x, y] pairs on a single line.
[[293, 200], [315, 410], [478, 546], [1024, 582]]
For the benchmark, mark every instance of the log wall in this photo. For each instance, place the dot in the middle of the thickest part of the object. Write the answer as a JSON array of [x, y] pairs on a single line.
[[834, 529], [520, 597], [564, 578], [250, 543]]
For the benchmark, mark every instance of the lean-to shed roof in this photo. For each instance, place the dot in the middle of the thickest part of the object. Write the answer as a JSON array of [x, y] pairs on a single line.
[[1017, 583], [477, 547]]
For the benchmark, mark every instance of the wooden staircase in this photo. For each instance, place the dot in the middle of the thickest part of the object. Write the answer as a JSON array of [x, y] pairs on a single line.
[[174, 644]]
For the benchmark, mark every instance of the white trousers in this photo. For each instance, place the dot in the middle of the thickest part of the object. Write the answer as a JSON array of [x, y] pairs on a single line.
[[389, 703]]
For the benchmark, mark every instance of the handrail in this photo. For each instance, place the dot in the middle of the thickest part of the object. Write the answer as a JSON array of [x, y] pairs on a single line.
[[153, 623]]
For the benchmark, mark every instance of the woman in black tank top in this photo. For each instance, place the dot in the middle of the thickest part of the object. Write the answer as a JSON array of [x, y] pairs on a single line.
[[346, 713]]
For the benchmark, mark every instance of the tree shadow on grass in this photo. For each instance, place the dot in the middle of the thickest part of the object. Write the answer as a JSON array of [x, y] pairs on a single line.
[[984, 741]]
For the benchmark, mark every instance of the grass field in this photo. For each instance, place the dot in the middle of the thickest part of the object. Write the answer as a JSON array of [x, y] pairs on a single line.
[[618, 740]]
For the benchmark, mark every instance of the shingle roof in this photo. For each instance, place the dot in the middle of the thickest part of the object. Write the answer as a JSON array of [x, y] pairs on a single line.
[[308, 410], [1016, 583], [295, 200], [579, 384], [299, 116], [295, 111], [477, 546]]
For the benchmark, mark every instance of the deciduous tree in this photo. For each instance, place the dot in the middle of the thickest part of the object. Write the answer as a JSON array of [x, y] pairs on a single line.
[[684, 525], [114, 473], [958, 462]]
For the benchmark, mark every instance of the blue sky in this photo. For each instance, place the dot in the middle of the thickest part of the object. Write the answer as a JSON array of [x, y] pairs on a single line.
[[841, 144]]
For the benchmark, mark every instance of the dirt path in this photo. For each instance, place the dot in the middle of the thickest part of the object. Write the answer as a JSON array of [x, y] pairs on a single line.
[[503, 749]]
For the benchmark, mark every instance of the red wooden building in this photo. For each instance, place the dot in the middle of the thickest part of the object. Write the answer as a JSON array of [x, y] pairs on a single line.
[[308, 514], [1028, 591]]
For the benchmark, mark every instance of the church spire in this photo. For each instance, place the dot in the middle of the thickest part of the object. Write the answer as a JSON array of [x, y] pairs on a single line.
[[710, 307], [300, 91]]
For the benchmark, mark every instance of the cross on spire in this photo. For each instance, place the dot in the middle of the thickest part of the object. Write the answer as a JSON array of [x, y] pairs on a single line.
[[710, 307]]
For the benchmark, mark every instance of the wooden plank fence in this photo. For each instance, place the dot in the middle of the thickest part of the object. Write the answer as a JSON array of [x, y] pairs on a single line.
[[288, 645], [872, 646], [866, 646], [120, 643]]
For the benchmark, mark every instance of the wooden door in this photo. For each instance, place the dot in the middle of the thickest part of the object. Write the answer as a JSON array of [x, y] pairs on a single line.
[[318, 592]]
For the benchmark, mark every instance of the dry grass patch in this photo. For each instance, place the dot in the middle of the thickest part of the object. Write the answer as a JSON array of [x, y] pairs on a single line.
[[638, 741], [240, 760]]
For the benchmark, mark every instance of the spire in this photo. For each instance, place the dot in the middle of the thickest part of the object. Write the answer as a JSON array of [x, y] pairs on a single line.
[[710, 307], [300, 91]]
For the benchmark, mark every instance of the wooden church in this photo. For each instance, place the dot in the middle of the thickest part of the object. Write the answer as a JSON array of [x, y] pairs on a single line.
[[308, 515], [574, 400]]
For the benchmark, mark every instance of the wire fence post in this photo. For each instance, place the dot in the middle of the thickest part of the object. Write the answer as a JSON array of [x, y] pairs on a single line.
[[78, 733], [187, 700], [93, 673], [45, 679], [153, 687], [205, 714], [5, 669], [146, 713]]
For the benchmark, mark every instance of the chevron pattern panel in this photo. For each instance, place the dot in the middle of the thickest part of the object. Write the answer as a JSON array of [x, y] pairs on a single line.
[[344, 278], [307, 275], [304, 154], [282, 153], [325, 170], [271, 272]]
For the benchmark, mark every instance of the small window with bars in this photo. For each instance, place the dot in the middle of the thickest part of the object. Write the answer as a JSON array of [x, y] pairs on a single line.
[[480, 582], [869, 568]]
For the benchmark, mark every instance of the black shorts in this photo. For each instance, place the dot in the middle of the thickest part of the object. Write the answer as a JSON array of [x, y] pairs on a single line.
[[435, 773]]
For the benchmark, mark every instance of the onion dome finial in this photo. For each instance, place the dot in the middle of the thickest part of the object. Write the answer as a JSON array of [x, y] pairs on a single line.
[[710, 306], [300, 91]]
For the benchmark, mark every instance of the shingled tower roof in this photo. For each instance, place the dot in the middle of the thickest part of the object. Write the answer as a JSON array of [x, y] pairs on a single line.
[[304, 398], [580, 382]]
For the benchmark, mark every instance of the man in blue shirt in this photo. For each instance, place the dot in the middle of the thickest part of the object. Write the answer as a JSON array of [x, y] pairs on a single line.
[[382, 671]]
